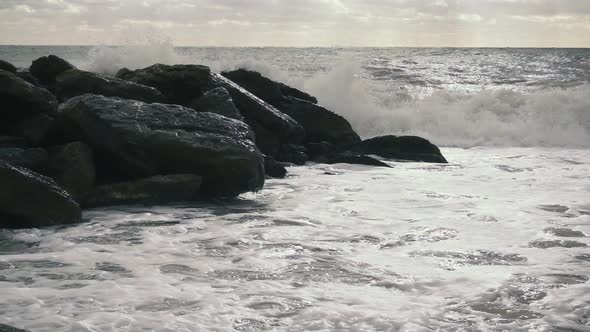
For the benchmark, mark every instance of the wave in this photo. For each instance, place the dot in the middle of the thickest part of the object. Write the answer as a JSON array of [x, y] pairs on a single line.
[[553, 117]]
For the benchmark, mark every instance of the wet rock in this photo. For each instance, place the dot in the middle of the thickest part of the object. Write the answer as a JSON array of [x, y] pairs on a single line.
[[7, 66], [132, 140], [273, 168], [564, 232], [346, 158], [12, 142], [153, 190], [35, 159], [76, 82], [35, 128], [266, 141], [72, 167], [320, 149], [217, 101], [47, 68], [547, 244], [266, 89], [20, 99], [8, 328], [410, 148], [181, 84], [28, 199], [292, 153], [27, 76]]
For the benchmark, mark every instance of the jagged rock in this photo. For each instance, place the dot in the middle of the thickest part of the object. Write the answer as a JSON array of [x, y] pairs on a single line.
[[12, 142], [292, 153], [217, 101], [28, 199], [35, 128], [273, 168], [7, 66], [254, 109], [35, 159], [320, 124], [266, 89], [47, 68], [27, 76], [346, 158], [72, 167], [410, 148], [153, 190], [76, 82], [181, 84], [20, 99], [132, 139]]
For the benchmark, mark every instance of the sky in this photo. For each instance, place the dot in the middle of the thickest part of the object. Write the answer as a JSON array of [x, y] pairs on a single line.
[[299, 23]]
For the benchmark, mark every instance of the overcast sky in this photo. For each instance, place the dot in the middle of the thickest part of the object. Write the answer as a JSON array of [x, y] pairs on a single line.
[[553, 23]]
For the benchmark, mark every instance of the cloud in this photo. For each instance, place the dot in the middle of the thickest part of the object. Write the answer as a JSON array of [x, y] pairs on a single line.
[[301, 22]]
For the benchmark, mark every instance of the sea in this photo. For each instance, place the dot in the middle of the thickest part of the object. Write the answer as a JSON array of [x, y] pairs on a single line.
[[496, 240]]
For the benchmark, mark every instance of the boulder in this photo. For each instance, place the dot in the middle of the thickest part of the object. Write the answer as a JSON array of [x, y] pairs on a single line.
[[28, 199], [12, 142], [27, 76], [411, 148], [154, 190], [181, 84], [76, 82], [20, 99], [218, 101], [254, 109], [266, 89], [346, 158], [35, 128], [291, 153], [6, 66], [273, 168], [72, 167], [319, 149], [47, 68], [35, 159], [8, 328], [132, 139]]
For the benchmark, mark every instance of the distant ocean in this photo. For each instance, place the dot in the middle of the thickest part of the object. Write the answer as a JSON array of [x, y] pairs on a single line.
[[496, 240]]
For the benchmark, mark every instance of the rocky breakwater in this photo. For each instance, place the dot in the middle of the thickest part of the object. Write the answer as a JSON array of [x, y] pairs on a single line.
[[71, 139]]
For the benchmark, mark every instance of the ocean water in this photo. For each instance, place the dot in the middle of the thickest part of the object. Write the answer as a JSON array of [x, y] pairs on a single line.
[[497, 240]]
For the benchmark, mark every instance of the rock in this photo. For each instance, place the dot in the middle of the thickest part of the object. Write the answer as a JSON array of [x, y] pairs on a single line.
[[217, 101], [12, 142], [132, 139], [403, 148], [27, 76], [354, 159], [8, 328], [6, 66], [153, 190], [72, 167], [35, 128], [320, 124], [254, 109], [266, 89], [76, 82], [181, 84], [35, 159], [292, 153], [273, 168], [47, 68], [20, 98], [266, 141], [28, 199], [320, 149]]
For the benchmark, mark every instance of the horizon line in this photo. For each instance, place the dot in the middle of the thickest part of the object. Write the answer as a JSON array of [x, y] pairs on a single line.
[[334, 46]]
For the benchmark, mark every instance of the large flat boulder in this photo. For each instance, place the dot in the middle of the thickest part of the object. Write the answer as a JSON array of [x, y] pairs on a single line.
[[47, 68], [28, 199], [76, 82], [411, 148], [219, 101], [132, 139], [20, 99], [181, 84], [161, 189]]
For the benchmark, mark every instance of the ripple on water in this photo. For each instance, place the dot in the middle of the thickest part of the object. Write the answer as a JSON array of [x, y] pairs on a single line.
[[479, 257], [423, 234]]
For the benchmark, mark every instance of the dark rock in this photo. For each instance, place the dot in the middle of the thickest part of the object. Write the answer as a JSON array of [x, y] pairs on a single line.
[[266, 141], [292, 153], [27, 76], [256, 110], [35, 159], [403, 148], [564, 232], [7, 328], [345, 158], [217, 101], [47, 68], [28, 199], [20, 98], [320, 124], [153, 190], [266, 89], [76, 82], [181, 84], [132, 139], [6, 66], [72, 167], [320, 149], [273, 168], [547, 244], [12, 142], [35, 128]]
